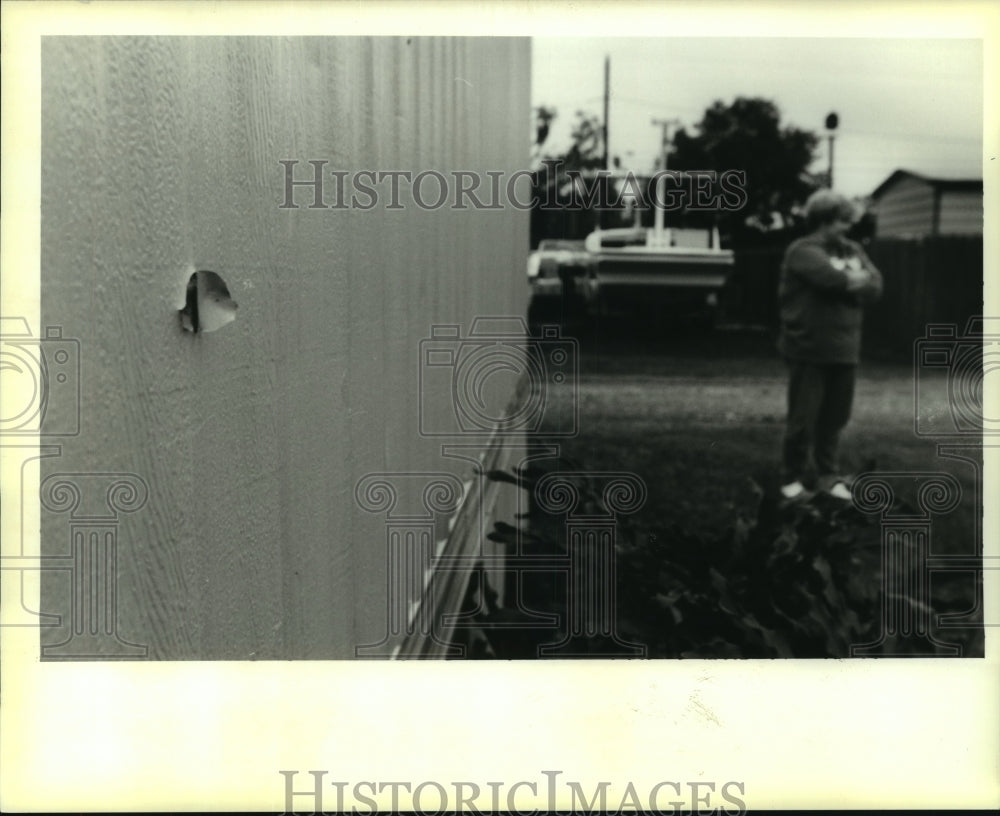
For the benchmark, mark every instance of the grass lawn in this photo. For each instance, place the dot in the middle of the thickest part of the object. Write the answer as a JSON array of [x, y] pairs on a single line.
[[699, 418], [699, 415]]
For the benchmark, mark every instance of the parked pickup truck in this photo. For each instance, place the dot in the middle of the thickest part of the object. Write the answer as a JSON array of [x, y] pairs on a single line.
[[667, 272]]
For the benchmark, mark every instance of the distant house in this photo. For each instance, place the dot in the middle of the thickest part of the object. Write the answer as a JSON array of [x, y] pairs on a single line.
[[909, 205]]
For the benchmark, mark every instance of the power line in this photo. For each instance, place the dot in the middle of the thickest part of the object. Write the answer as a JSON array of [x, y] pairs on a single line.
[[909, 137]]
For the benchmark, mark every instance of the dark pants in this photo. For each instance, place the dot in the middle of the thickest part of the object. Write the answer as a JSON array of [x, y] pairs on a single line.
[[819, 405]]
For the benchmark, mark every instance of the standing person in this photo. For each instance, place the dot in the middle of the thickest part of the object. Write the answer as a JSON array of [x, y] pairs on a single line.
[[826, 280]]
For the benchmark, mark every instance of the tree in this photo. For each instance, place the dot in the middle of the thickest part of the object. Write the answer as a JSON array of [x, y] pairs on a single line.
[[748, 136], [584, 156], [586, 152], [552, 179], [543, 119]]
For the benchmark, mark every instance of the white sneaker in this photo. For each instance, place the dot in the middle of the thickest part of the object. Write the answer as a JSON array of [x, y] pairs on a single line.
[[840, 491], [793, 490]]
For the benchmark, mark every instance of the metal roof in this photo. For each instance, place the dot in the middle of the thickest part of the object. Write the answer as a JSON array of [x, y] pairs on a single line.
[[970, 185]]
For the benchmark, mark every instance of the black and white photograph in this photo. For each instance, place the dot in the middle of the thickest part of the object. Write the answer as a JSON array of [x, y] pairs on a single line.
[[597, 354]]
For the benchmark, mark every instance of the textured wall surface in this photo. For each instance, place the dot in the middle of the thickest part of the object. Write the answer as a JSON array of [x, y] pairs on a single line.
[[160, 156], [907, 209], [961, 213]]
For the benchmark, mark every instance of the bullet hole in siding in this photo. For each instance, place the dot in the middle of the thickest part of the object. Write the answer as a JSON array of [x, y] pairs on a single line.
[[207, 304]]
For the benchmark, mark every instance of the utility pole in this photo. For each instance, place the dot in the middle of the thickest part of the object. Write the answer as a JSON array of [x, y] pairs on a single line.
[[666, 124], [607, 100], [606, 160]]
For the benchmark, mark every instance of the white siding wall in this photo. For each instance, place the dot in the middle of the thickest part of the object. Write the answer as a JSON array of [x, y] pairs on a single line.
[[905, 210], [961, 213], [160, 155]]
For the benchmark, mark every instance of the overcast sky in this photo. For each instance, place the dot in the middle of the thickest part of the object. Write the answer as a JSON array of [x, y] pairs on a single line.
[[902, 103]]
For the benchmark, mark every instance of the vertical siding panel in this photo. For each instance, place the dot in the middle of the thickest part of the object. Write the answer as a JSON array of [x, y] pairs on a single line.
[[961, 213], [905, 209], [160, 155]]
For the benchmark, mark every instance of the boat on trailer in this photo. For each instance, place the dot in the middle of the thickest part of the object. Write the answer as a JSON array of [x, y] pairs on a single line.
[[673, 271]]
